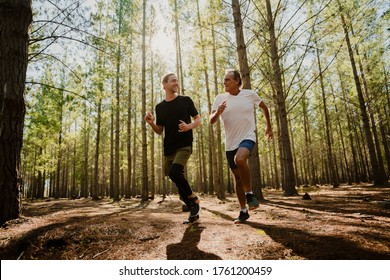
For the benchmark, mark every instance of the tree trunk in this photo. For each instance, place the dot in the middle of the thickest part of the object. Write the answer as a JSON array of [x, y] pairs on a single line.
[[145, 187], [213, 175], [84, 178], [385, 144], [179, 66], [309, 160], [355, 173], [15, 19], [221, 189], [378, 177], [94, 186], [134, 190], [297, 179], [117, 111], [153, 139], [112, 169], [74, 167], [288, 175], [58, 188], [371, 111], [128, 125], [344, 150], [95, 190], [333, 173], [254, 162]]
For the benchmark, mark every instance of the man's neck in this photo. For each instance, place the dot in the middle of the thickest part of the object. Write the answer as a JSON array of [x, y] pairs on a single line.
[[235, 92], [169, 96]]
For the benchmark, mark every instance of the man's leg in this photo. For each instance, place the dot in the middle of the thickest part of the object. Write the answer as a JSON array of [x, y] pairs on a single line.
[[241, 160], [244, 215], [239, 188], [176, 174]]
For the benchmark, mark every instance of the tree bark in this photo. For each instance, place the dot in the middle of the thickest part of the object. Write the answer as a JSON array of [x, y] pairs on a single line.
[[286, 160], [15, 19], [333, 174], [213, 175], [179, 66], [220, 185], [378, 177], [254, 162], [117, 110], [145, 187], [95, 185]]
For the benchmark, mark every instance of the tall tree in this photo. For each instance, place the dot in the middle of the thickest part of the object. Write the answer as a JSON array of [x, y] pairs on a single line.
[[332, 165], [129, 112], [213, 176], [179, 63], [117, 105], [378, 175], [145, 187], [15, 19], [246, 83], [286, 157], [220, 182]]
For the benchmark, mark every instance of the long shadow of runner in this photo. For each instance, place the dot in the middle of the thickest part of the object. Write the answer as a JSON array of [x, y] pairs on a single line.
[[315, 247], [188, 249], [319, 247]]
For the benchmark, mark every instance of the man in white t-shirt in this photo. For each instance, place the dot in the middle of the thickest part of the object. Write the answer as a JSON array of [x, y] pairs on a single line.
[[236, 108]]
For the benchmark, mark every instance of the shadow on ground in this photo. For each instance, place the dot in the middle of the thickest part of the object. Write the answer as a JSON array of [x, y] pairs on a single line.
[[187, 248]]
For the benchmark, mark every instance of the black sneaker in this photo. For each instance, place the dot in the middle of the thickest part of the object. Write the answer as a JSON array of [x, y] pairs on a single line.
[[194, 206], [191, 219], [242, 218], [252, 201]]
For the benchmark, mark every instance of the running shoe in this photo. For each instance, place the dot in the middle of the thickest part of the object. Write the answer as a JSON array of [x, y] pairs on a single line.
[[194, 206], [191, 219], [242, 218], [252, 201]]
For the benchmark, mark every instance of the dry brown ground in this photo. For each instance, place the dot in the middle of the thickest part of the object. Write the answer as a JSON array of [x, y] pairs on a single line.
[[350, 222]]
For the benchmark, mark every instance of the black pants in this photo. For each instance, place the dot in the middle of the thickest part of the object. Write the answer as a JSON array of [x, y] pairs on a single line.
[[176, 174]]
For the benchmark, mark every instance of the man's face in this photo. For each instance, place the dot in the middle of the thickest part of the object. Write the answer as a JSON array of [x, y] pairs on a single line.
[[230, 84], [172, 85]]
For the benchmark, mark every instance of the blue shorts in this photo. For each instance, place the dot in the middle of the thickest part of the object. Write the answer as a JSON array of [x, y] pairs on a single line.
[[230, 155]]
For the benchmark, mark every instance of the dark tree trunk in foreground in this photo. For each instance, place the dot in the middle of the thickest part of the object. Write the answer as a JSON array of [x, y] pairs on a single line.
[[15, 18], [254, 161], [286, 160]]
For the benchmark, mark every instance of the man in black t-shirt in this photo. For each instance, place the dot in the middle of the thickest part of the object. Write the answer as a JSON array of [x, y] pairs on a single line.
[[173, 115]]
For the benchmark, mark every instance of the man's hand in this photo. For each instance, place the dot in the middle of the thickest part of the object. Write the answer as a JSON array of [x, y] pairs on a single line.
[[222, 107], [269, 133], [183, 126], [149, 118]]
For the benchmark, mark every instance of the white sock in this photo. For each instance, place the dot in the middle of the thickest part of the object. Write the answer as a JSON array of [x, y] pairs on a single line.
[[245, 210], [251, 192]]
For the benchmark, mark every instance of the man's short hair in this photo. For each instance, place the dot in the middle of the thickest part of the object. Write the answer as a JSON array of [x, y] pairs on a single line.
[[236, 75], [165, 78]]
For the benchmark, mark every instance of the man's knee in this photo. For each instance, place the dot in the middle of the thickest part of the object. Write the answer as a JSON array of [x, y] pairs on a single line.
[[241, 161], [176, 171]]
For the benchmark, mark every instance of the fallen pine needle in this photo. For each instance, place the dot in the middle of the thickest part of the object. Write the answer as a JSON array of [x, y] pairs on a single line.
[[20, 256], [98, 254]]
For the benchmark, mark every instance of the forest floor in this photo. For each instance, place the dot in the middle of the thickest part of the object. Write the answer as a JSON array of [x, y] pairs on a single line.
[[349, 222]]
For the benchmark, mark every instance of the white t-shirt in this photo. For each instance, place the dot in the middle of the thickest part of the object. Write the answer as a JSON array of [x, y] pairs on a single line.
[[238, 117]]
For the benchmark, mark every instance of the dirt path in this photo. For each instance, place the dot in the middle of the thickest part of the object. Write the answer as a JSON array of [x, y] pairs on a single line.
[[351, 222]]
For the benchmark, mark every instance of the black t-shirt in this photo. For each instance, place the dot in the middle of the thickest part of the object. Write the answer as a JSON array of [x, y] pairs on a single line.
[[168, 114]]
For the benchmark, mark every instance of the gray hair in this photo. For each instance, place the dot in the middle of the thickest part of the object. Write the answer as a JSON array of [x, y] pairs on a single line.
[[236, 75]]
